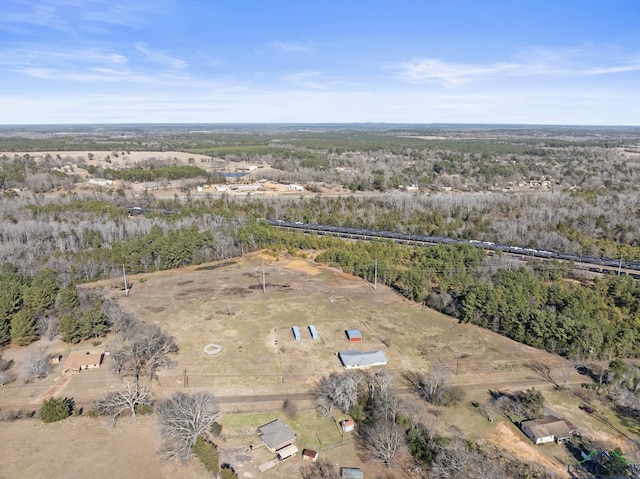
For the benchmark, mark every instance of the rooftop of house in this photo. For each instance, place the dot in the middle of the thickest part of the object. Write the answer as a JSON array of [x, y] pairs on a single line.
[[82, 358], [275, 433], [550, 426]]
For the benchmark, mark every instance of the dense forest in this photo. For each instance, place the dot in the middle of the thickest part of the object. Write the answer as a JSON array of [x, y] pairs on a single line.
[[571, 190]]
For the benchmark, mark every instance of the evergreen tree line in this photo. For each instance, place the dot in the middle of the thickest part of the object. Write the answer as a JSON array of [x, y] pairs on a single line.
[[538, 307], [31, 307], [156, 174]]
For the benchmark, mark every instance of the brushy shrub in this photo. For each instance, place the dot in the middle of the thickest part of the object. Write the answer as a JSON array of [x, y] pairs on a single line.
[[93, 413], [216, 428], [207, 453], [56, 409], [227, 472], [144, 409], [290, 409]]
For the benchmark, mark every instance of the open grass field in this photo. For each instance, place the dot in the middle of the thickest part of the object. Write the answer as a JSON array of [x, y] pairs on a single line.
[[88, 448], [224, 303]]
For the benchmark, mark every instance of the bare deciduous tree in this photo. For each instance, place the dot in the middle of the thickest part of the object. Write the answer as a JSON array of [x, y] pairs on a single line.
[[143, 350], [183, 417], [385, 402], [126, 401], [433, 386], [48, 326], [323, 469], [323, 405], [384, 440], [121, 322], [543, 370], [566, 370], [36, 363], [5, 375], [339, 390], [456, 461]]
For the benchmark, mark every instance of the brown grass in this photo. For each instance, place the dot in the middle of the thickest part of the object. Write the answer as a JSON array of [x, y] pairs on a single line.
[[224, 303], [87, 448]]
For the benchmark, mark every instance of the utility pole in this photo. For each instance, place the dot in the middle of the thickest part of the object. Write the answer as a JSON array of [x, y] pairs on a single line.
[[375, 276], [620, 265], [126, 287], [264, 284]]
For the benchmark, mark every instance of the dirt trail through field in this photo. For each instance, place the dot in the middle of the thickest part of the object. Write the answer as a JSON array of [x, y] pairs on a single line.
[[54, 390]]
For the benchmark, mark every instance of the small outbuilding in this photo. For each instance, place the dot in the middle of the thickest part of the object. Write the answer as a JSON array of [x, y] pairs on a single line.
[[309, 455], [100, 181], [55, 358], [354, 335], [313, 332], [351, 473], [276, 435], [348, 425], [362, 359], [296, 333], [287, 451]]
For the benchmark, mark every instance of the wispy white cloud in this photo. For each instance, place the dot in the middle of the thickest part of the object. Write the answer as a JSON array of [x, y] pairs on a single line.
[[291, 47], [139, 65], [307, 79], [37, 55], [449, 74], [314, 80], [433, 70], [92, 75], [161, 57], [70, 16]]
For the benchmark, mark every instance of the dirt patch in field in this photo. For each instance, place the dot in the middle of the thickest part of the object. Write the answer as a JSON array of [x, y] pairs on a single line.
[[303, 266], [269, 286], [506, 438]]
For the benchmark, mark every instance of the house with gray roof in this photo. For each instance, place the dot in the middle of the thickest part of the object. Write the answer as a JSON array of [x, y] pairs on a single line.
[[276, 435]]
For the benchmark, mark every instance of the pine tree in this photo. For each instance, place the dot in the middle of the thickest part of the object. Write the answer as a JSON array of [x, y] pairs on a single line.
[[24, 328], [56, 409], [69, 328]]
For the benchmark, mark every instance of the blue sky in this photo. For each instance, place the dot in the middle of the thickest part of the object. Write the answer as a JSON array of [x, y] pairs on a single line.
[[253, 61]]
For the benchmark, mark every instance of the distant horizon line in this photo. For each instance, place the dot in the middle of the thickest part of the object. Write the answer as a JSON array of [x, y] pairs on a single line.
[[323, 124]]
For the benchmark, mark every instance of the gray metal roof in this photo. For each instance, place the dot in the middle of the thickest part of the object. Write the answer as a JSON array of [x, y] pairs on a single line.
[[358, 359], [351, 473], [275, 433], [354, 333], [313, 332]]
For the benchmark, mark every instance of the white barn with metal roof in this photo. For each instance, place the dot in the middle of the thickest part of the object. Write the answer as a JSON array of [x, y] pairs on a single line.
[[362, 359]]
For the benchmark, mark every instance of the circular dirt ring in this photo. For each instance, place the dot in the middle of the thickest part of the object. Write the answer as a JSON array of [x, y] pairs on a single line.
[[212, 349]]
